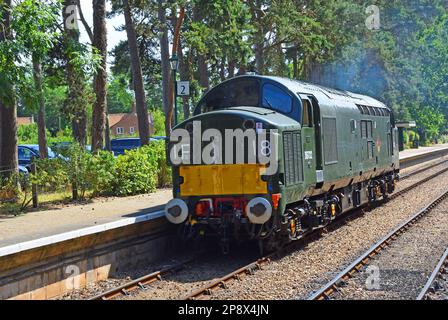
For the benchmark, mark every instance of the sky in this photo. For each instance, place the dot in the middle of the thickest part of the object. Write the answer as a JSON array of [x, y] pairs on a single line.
[[113, 36]]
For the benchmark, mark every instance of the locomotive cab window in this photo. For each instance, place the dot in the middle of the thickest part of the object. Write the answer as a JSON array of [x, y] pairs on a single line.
[[235, 93], [276, 98], [353, 125], [307, 113]]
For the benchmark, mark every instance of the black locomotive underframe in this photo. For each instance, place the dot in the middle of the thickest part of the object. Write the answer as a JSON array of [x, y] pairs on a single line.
[[298, 219]]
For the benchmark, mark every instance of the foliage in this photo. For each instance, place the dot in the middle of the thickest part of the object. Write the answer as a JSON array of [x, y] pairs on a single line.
[[159, 122], [76, 166], [119, 97], [102, 173], [27, 134], [430, 120], [137, 171], [51, 175]]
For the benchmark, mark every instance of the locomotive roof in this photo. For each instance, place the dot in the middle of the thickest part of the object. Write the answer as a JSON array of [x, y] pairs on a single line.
[[323, 94]]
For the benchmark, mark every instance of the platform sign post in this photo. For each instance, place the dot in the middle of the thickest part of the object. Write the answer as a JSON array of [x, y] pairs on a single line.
[[183, 88]]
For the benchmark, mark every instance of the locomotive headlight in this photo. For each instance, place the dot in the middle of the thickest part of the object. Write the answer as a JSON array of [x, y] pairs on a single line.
[[259, 210], [176, 211]]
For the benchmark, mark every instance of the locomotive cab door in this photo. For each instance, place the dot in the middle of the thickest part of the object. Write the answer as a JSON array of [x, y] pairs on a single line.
[[312, 141]]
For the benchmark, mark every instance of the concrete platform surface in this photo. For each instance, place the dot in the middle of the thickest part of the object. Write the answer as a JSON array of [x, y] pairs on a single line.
[[73, 219], [408, 153]]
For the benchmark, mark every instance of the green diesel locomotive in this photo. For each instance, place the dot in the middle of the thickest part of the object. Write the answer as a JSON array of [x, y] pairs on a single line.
[[271, 159]]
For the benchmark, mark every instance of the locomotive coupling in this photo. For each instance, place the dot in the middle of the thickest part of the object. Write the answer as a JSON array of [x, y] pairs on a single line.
[[259, 210], [176, 211]]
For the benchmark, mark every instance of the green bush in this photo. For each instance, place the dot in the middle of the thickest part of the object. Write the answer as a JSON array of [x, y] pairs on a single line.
[[159, 122], [405, 137], [77, 164], [101, 173], [443, 138], [136, 172], [164, 176], [51, 175]]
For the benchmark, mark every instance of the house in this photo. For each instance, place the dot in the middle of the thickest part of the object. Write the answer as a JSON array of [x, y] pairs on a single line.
[[125, 124], [25, 120]]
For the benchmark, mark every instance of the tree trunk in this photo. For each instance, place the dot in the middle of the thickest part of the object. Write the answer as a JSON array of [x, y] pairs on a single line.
[[165, 65], [139, 89], [232, 66], [75, 78], [295, 64], [8, 109], [203, 72], [107, 133], [41, 132], [100, 80], [184, 76], [259, 36], [202, 61]]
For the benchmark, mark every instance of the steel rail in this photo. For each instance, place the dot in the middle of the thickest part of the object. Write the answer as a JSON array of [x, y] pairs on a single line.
[[440, 269], [235, 275], [140, 283], [332, 286], [409, 175], [414, 185]]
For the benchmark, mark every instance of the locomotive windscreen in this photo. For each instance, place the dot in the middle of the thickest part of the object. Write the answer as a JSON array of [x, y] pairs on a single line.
[[240, 92]]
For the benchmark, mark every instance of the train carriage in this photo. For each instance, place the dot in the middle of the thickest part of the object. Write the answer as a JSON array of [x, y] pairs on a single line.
[[334, 151]]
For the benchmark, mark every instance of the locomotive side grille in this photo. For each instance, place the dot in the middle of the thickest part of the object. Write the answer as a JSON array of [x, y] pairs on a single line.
[[293, 157], [330, 140]]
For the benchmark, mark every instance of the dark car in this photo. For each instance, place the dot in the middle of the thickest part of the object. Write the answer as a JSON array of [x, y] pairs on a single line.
[[120, 145], [64, 147], [29, 151]]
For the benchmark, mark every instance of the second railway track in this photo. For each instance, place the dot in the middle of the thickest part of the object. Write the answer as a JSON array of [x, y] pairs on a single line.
[[400, 273]]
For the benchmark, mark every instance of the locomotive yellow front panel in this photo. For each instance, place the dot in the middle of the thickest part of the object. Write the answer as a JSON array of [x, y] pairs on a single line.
[[232, 179]]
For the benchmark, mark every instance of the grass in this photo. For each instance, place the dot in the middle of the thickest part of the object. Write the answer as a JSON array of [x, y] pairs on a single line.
[[22, 205]]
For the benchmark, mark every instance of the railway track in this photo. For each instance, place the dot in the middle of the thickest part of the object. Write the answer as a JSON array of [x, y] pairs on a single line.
[[142, 282], [437, 281], [239, 274], [354, 268], [426, 168]]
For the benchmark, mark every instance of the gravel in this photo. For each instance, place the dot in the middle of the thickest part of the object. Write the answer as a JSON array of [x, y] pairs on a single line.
[[404, 267], [439, 288]]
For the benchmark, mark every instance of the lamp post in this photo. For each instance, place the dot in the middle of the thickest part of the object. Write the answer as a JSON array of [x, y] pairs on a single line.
[[174, 61]]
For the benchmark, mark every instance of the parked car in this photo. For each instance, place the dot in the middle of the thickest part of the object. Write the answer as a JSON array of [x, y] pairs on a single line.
[[23, 170], [63, 147], [120, 145], [29, 151]]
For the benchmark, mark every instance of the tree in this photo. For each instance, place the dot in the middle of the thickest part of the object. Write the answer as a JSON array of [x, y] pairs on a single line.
[[8, 108], [34, 24], [100, 80], [165, 66], [139, 89], [77, 100]]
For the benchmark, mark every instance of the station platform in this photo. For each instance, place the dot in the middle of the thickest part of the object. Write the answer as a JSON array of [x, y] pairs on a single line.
[[409, 153], [66, 222], [41, 228]]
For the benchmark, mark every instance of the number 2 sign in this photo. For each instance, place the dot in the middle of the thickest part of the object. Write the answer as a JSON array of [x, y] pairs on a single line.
[[183, 88]]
